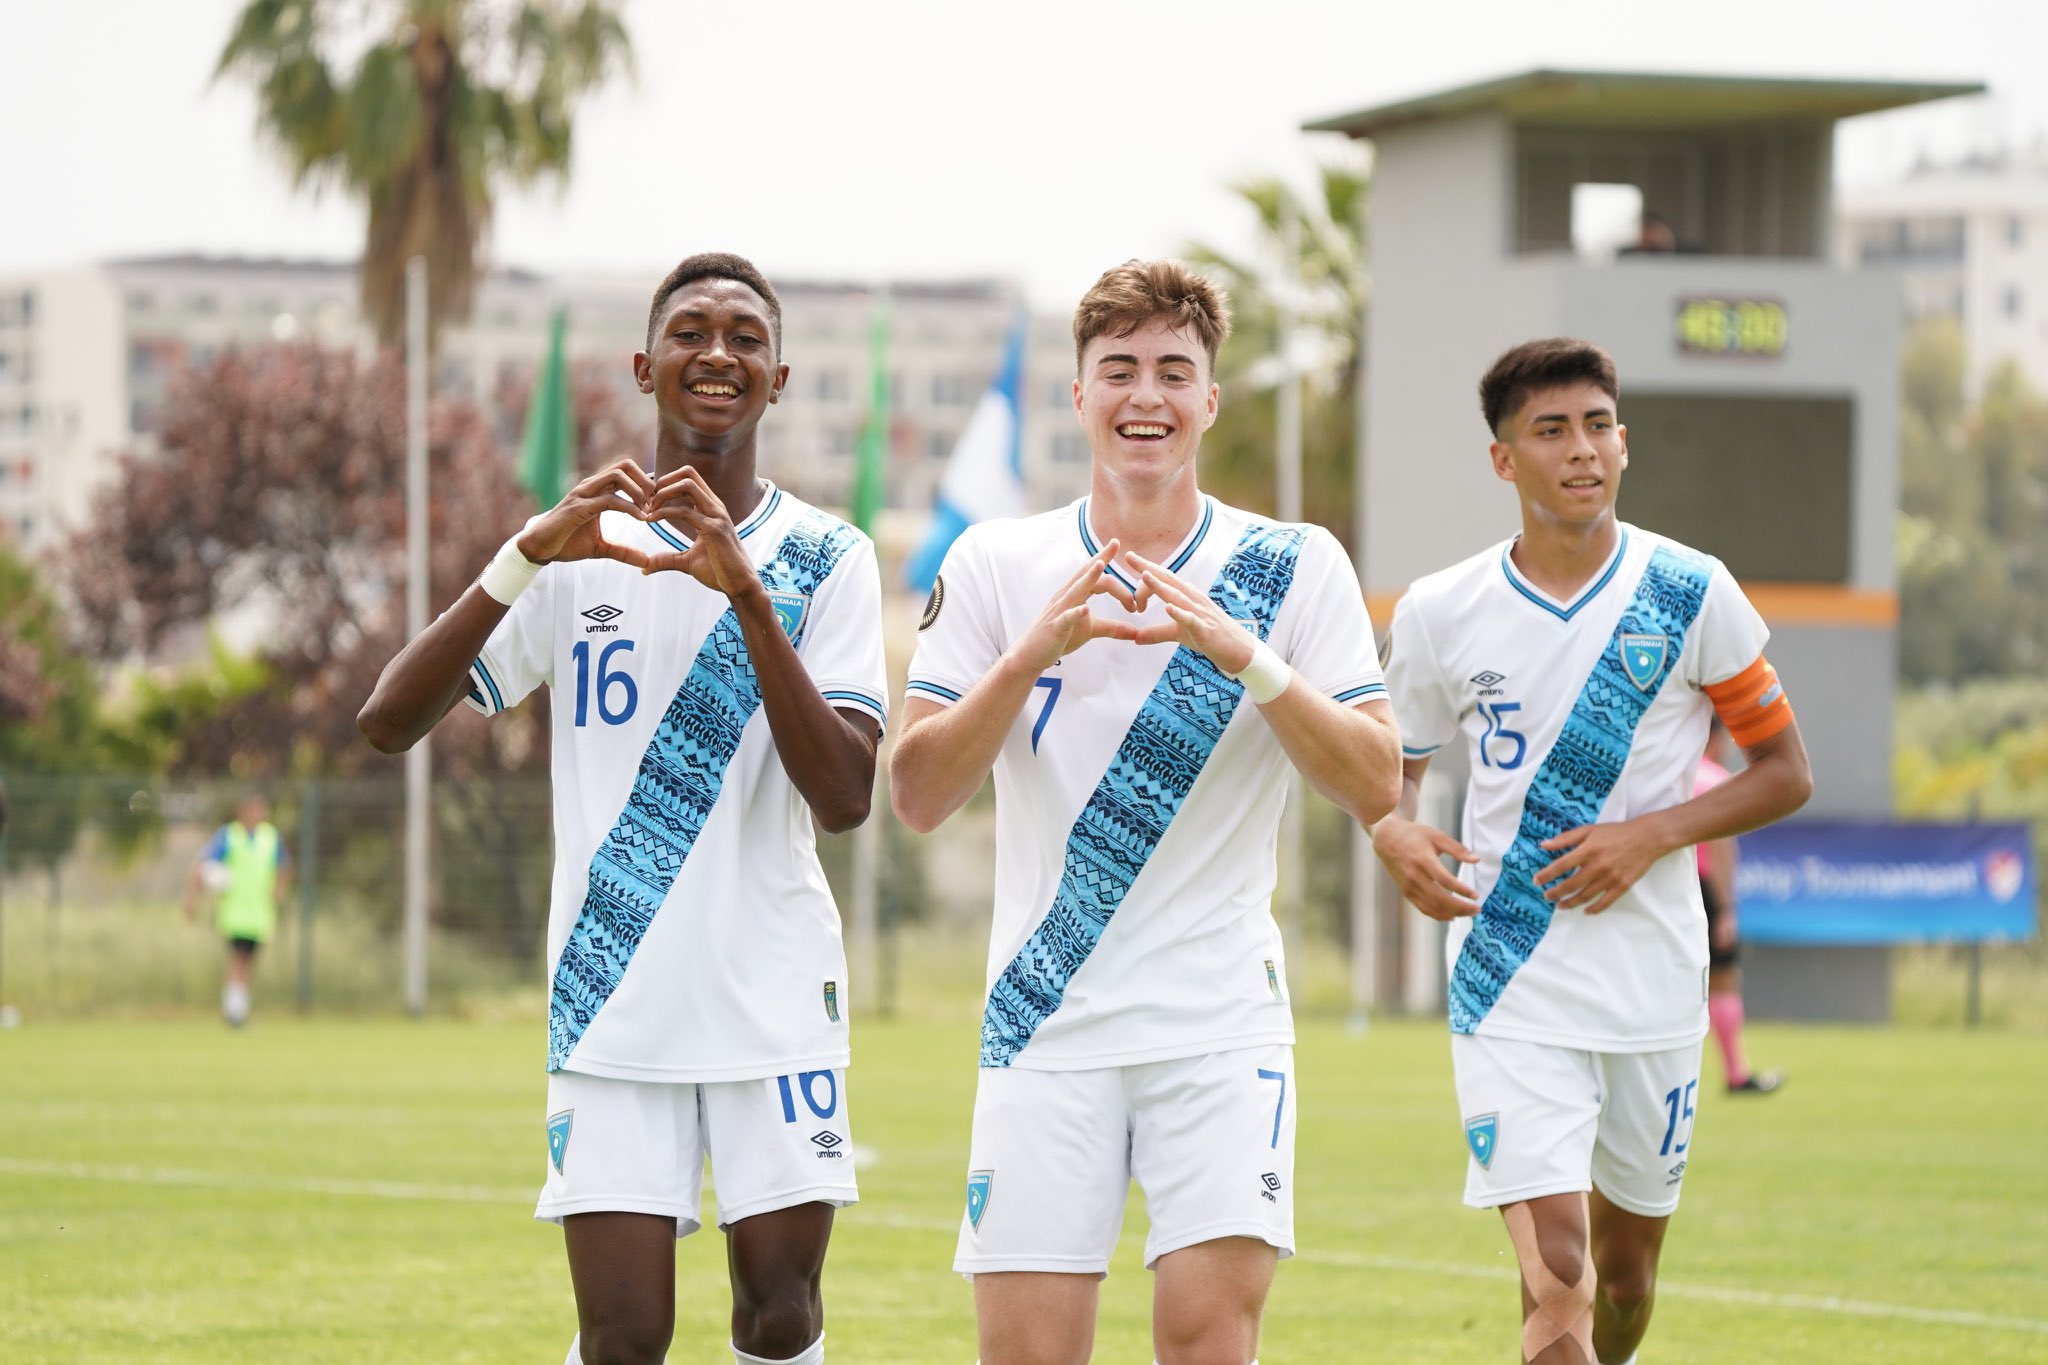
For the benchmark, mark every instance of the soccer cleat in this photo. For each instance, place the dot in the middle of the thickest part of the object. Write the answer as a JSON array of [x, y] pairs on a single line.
[[1759, 1083]]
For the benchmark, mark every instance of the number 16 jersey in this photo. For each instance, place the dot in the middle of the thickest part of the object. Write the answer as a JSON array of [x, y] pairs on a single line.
[[691, 933]]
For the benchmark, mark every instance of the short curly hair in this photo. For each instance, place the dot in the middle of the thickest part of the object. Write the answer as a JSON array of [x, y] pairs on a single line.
[[716, 265], [1132, 294]]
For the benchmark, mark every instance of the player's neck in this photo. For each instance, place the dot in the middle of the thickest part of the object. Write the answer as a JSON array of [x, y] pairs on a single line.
[[727, 466], [1562, 557], [1147, 521]]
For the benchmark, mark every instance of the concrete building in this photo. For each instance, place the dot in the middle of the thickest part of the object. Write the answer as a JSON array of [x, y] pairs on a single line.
[[1968, 242], [1759, 379], [87, 357]]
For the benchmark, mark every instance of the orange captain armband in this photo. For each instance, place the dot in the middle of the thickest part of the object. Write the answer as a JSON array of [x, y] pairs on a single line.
[[1752, 704]]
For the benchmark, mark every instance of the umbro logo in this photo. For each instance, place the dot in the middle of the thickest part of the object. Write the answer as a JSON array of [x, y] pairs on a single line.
[[1271, 1182], [1489, 682], [1677, 1173], [829, 1142], [603, 616]]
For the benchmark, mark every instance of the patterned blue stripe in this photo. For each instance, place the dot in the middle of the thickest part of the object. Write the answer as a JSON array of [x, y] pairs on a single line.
[[1573, 782], [679, 780], [497, 697], [1369, 690], [946, 692], [1173, 735], [1567, 613]]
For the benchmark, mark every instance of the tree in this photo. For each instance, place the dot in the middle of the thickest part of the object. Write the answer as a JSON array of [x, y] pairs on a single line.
[[1331, 286], [48, 717], [446, 100], [1973, 524]]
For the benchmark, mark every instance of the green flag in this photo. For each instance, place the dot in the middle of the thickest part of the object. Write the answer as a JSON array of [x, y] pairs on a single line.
[[547, 454], [874, 437]]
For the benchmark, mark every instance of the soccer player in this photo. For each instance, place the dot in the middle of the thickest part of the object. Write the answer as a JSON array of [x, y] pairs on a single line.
[[246, 868], [1139, 669], [1579, 661], [1717, 859], [714, 646]]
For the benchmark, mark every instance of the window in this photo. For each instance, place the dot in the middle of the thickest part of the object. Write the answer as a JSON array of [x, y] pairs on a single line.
[[28, 307], [203, 303], [1070, 447], [2015, 301], [140, 301], [1059, 393], [954, 390], [1607, 219], [2015, 231], [938, 444], [830, 386]]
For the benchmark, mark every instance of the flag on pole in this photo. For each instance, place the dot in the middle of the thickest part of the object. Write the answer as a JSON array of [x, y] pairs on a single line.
[[547, 451], [874, 436], [985, 475]]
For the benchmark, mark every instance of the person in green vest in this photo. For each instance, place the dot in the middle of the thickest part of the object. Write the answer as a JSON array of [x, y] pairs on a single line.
[[246, 868]]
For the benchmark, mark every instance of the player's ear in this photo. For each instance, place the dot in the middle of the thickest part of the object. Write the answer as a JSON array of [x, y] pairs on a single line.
[[1503, 461], [1209, 409], [781, 378], [1077, 395], [643, 371], [1621, 435]]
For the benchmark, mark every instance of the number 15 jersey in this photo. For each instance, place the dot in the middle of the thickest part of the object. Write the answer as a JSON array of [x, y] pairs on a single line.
[[1138, 793], [1573, 712], [691, 934]]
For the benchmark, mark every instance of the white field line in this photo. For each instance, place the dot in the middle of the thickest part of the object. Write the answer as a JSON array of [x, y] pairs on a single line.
[[482, 1194]]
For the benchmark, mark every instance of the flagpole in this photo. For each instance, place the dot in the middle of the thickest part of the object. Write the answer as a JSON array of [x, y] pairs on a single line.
[[865, 964], [418, 767], [1287, 497]]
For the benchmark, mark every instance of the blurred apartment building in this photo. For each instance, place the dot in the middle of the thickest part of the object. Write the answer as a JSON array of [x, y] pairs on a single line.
[[88, 356], [1969, 241]]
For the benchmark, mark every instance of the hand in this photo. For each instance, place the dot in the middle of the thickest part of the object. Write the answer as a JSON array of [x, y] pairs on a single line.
[[1413, 854], [1194, 619], [1068, 622], [570, 531], [715, 557], [1600, 864]]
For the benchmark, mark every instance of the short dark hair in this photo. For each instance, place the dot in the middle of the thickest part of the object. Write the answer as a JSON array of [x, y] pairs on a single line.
[[1544, 364], [716, 265], [1130, 295]]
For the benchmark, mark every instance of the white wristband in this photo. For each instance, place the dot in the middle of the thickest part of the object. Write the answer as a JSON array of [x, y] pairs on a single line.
[[1266, 676], [509, 573]]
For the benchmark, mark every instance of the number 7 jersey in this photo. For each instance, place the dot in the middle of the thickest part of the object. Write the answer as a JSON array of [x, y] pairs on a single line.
[[691, 933], [1574, 712]]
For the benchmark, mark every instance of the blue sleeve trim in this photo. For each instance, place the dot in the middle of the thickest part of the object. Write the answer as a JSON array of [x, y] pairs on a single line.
[[932, 689], [497, 703], [1359, 693], [1412, 752], [217, 847]]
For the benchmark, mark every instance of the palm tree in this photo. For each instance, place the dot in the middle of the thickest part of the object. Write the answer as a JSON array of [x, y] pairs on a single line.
[[444, 102], [1330, 282]]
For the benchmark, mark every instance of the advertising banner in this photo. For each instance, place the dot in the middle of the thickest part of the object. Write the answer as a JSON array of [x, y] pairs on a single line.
[[1875, 884]]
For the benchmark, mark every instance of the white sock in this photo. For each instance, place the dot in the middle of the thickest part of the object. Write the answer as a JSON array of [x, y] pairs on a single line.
[[575, 1356], [813, 1354], [234, 1002]]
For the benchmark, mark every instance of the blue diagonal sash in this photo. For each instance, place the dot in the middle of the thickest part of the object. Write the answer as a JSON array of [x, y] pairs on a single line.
[[1576, 776], [1176, 730], [679, 780]]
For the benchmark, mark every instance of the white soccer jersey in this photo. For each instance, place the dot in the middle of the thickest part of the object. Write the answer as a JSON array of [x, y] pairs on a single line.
[[1138, 793], [1573, 712], [691, 934]]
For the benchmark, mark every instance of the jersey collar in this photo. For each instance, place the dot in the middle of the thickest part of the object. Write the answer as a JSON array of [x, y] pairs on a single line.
[[1180, 556], [1564, 611], [771, 498]]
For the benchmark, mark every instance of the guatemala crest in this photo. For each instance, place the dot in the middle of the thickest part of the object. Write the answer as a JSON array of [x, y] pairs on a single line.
[[558, 1137], [790, 610], [979, 1184], [1482, 1134], [1642, 658]]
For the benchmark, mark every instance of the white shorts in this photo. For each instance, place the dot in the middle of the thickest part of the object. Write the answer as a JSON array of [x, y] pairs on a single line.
[[1210, 1140], [1541, 1119], [639, 1146]]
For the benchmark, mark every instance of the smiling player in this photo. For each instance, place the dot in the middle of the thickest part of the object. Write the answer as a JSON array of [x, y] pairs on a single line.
[[1138, 669], [715, 650], [1581, 662]]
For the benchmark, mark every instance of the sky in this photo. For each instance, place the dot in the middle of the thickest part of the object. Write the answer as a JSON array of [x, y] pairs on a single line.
[[1039, 142]]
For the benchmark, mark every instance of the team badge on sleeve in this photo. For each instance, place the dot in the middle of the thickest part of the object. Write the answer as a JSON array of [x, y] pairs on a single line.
[[933, 603], [1482, 1134], [979, 1186], [1642, 658], [790, 609], [832, 1001], [558, 1137]]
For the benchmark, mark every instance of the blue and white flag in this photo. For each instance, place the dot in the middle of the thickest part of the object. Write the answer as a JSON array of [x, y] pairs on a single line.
[[985, 476]]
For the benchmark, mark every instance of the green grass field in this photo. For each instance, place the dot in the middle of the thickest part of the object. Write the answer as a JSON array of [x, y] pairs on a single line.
[[361, 1191]]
